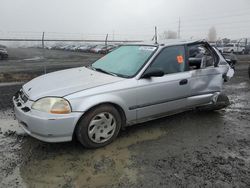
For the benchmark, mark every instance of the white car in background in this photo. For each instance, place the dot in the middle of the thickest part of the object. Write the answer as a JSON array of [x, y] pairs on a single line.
[[220, 48], [233, 48], [3, 53], [98, 48]]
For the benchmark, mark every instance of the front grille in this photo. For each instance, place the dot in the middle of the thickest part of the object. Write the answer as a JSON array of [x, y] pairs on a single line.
[[23, 97], [16, 95]]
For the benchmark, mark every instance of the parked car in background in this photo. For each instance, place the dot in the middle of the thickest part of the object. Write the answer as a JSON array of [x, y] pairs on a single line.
[[75, 47], [85, 47], [70, 47], [132, 84], [107, 49], [3, 52], [217, 46], [101, 48], [98, 49], [230, 57], [233, 48], [57, 46], [247, 49], [220, 47]]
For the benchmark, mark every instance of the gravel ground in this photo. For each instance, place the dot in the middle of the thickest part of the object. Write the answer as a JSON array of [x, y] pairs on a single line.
[[27, 63], [191, 149]]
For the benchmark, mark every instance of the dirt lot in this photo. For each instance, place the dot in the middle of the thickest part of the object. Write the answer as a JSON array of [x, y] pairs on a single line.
[[192, 149], [23, 64]]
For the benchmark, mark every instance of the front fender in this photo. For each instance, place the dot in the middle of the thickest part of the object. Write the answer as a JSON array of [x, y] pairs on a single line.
[[83, 104]]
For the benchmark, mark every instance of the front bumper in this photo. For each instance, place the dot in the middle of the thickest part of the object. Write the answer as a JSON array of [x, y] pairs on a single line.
[[43, 126]]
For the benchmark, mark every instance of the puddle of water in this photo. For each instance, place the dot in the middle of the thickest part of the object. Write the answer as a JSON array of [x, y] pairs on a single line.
[[90, 168], [11, 83], [239, 102], [13, 180], [34, 58], [238, 86], [10, 145], [74, 166], [10, 126]]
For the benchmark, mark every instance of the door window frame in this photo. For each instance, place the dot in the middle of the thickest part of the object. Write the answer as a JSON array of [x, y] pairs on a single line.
[[209, 48], [186, 68]]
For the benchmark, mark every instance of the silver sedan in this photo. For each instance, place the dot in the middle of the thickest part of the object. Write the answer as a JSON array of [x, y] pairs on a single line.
[[132, 84]]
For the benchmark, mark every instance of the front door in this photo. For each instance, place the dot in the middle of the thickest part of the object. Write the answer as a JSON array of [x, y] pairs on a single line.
[[161, 95]]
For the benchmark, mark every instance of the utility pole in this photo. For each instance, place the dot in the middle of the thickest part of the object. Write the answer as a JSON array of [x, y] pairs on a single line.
[[43, 40], [179, 29], [106, 39], [156, 35], [45, 67]]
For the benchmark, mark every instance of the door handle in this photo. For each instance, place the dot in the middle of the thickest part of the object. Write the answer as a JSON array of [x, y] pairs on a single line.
[[183, 82]]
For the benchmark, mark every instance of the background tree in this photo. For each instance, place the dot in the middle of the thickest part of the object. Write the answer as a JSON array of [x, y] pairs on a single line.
[[212, 34], [169, 35]]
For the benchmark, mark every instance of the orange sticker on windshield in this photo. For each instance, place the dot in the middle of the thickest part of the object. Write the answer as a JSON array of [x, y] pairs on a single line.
[[180, 59]]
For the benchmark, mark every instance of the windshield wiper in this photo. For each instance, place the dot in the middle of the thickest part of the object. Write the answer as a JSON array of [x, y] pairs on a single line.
[[106, 72], [103, 71]]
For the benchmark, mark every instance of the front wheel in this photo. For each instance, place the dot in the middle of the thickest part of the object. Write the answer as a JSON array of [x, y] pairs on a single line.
[[99, 127]]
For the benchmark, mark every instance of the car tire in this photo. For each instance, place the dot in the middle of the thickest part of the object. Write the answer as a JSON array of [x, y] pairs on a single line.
[[99, 126], [222, 102]]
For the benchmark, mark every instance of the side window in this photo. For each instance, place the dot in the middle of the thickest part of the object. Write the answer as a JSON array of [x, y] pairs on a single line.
[[200, 57], [171, 60]]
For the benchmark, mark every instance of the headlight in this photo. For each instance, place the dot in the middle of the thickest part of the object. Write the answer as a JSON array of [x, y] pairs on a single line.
[[52, 105]]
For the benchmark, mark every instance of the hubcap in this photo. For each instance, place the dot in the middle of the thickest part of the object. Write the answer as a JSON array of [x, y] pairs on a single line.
[[101, 127]]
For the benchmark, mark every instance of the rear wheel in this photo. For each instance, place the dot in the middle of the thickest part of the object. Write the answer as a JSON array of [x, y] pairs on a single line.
[[99, 127]]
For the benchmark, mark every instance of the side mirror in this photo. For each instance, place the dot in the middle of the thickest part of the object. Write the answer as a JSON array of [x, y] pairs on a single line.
[[228, 61], [153, 72]]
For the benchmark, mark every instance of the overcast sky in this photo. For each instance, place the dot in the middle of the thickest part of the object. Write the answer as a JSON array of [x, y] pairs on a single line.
[[124, 19]]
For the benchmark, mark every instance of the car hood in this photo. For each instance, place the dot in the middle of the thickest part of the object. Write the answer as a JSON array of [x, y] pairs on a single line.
[[65, 82]]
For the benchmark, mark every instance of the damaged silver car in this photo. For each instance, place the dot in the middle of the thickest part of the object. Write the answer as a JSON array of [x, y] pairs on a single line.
[[133, 84]]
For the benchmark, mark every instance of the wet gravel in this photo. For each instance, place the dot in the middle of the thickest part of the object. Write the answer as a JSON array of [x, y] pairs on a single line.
[[6, 94], [27, 63], [191, 149]]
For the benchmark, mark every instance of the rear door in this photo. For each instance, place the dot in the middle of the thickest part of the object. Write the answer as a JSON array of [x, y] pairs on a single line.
[[206, 76]]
